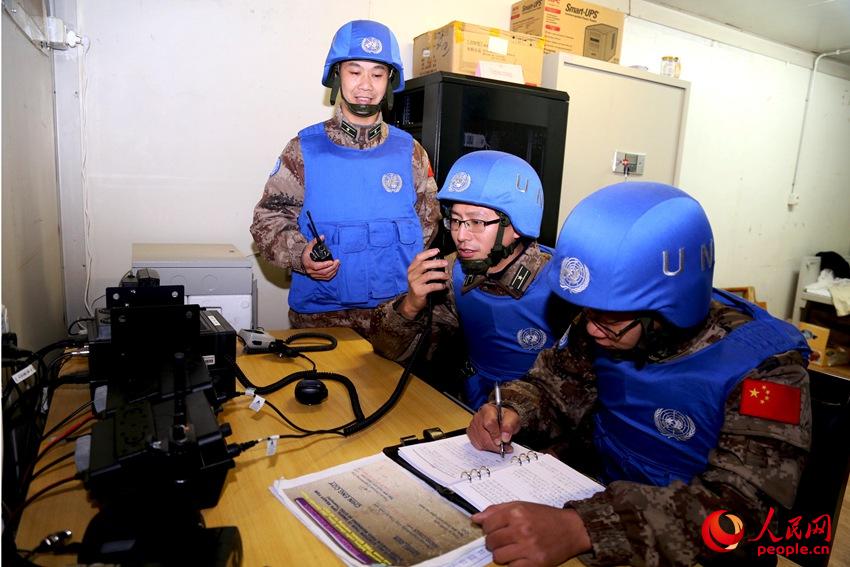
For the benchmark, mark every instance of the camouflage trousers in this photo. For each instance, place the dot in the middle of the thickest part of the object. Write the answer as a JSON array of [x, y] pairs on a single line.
[[357, 319]]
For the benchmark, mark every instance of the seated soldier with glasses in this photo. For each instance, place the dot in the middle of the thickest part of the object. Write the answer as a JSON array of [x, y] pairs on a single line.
[[495, 296]]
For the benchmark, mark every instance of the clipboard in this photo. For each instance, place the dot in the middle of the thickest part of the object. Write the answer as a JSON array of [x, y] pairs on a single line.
[[444, 491], [492, 479]]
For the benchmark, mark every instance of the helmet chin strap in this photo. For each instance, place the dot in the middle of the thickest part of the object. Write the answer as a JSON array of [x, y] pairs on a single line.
[[658, 341], [361, 110], [498, 253]]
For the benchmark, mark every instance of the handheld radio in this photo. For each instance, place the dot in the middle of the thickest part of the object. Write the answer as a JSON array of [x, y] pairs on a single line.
[[320, 251]]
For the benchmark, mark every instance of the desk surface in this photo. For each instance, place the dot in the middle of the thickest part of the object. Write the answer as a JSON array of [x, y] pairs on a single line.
[[842, 371], [270, 534]]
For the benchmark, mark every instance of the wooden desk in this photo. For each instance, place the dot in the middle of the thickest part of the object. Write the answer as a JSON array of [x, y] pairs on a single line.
[[270, 534]]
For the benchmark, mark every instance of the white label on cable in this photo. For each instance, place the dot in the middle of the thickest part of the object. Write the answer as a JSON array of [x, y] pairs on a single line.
[[249, 391], [99, 398], [209, 359], [23, 374], [498, 45], [271, 445], [257, 403], [213, 320]]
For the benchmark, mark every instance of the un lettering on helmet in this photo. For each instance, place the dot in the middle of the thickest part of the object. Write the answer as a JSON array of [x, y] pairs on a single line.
[[500, 181], [637, 246]]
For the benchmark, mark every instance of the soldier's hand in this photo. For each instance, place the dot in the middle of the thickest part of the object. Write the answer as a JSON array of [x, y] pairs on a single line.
[[323, 271], [523, 533], [426, 274], [483, 430]]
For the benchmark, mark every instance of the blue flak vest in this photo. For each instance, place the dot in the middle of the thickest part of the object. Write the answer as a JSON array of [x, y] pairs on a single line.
[[659, 423], [503, 335], [363, 202]]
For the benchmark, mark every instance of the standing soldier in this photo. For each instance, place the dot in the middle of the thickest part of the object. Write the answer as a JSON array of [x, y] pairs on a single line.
[[368, 186]]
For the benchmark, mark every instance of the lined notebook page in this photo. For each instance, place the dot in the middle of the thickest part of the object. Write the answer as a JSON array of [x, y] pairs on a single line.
[[544, 481], [446, 459], [484, 478]]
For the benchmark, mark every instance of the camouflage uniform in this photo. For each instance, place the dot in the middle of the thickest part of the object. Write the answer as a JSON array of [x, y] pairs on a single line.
[[275, 225], [756, 465], [394, 336]]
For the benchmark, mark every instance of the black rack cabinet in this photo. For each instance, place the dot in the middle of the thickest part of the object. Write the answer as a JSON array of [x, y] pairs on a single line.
[[452, 115]]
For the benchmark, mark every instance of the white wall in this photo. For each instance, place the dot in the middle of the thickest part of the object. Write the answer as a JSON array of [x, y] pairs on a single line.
[[187, 105], [742, 135], [32, 278]]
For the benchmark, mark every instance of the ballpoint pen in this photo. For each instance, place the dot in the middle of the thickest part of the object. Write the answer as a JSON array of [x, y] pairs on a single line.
[[499, 419]]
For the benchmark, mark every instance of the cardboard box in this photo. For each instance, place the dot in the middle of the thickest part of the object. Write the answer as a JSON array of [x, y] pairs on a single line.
[[573, 26], [459, 47], [817, 337]]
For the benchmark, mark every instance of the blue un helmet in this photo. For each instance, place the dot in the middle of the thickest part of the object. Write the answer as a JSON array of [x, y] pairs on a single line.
[[637, 246], [364, 40], [504, 183]]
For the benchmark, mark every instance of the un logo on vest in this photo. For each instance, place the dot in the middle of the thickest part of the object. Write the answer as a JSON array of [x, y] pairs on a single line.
[[531, 338], [392, 182], [371, 45], [674, 424], [574, 277], [460, 181]]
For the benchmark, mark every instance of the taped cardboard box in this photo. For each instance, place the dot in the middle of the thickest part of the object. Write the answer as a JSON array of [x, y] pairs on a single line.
[[459, 47], [572, 26], [817, 337]]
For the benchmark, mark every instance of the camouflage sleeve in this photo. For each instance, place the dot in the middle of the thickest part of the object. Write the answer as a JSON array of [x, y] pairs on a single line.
[[394, 336], [556, 395], [427, 206], [756, 465], [275, 224]]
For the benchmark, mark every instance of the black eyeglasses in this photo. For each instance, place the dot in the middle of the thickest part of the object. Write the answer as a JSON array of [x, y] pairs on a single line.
[[472, 225], [608, 331]]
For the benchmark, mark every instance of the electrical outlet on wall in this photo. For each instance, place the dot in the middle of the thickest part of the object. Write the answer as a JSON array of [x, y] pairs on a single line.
[[628, 162]]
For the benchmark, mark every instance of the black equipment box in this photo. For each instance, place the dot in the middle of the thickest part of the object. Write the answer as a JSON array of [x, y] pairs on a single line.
[[216, 344]]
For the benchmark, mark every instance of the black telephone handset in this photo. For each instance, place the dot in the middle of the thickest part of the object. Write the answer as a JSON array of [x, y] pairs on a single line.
[[436, 296], [320, 251]]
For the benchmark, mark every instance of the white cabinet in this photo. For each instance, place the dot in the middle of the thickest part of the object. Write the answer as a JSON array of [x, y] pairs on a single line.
[[214, 276], [809, 272], [615, 108]]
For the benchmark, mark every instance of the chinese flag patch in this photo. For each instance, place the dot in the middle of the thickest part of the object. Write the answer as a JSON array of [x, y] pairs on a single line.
[[770, 400]]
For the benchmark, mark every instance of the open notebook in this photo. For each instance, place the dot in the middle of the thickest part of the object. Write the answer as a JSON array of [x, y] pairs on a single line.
[[479, 478], [380, 509]]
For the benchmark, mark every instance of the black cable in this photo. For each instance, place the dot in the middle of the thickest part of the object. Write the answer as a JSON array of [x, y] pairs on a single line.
[[402, 381], [40, 493], [273, 387], [26, 476], [301, 375], [17, 390], [38, 356], [360, 422], [80, 320], [54, 369], [306, 432], [51, 464], [66, 419]]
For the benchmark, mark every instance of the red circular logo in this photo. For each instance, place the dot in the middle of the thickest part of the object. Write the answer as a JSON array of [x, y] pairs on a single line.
[[719, 538]]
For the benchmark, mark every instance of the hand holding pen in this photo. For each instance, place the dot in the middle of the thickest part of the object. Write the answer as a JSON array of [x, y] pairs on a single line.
[[492, 429], [498, 393]]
